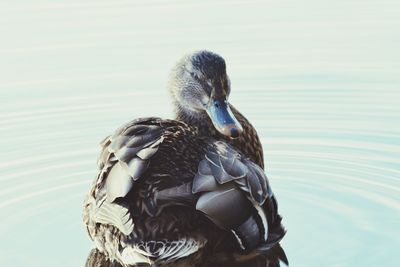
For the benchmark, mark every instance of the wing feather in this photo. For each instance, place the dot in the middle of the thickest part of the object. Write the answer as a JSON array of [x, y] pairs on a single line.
[[124, 158], [114, 214], [232, 190], [225, 164]]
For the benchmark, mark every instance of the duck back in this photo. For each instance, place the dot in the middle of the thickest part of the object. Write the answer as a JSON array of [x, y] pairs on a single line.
[[165, 193]]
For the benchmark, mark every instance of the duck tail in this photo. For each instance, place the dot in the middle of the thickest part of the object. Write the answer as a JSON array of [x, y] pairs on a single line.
[[276, 255], [273, 258]]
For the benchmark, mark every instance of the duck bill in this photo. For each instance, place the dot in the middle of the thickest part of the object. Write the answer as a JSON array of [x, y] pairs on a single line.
[[223, 119]]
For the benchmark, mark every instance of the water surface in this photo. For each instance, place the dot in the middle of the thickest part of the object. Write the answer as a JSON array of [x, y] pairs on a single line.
[[318, 79]]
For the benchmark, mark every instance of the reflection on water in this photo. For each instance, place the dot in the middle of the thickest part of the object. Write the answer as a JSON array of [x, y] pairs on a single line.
[[318, 79]]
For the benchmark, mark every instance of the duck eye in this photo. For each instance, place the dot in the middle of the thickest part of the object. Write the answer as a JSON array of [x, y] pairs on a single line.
[[216, 104]]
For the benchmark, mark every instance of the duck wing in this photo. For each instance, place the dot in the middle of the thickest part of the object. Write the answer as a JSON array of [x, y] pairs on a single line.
[[234, 194], [125, 156]]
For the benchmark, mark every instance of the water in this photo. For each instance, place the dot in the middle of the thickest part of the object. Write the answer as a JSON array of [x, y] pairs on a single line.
[[319, 80]]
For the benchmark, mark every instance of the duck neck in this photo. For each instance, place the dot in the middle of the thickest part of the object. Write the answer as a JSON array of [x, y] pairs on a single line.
[[248, 142], [199, 120]]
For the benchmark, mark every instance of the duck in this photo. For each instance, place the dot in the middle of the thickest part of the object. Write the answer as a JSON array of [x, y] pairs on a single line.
[[189, 191]]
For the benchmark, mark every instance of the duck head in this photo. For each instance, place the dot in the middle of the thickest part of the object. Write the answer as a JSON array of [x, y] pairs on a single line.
[[200, 89]]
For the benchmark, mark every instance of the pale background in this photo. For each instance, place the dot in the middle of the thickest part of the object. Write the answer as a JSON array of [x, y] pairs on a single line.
[[318, 79]]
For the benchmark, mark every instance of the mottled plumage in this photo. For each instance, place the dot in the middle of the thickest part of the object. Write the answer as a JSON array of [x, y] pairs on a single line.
[[183, 192]]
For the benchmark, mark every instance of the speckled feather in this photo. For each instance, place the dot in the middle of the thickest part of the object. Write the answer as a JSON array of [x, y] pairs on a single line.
[[158, 215]]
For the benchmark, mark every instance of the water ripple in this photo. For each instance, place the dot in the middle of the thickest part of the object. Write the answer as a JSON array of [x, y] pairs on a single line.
[[320, 85]]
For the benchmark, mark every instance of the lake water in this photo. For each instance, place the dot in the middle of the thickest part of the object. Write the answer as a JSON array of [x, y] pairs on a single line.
[[318, 79]]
